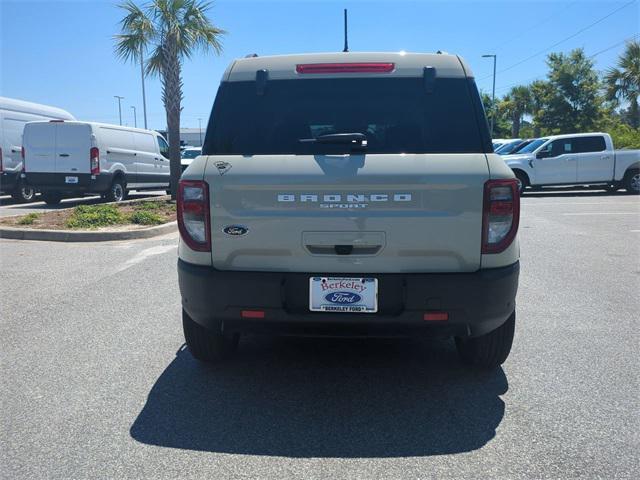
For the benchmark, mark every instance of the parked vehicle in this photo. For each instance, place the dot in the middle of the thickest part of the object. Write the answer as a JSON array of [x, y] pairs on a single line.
[[75, 158], [314, 210], [14, 114], [498, 142], [188, 154], [507, 147], [576, 159], [523, 144]]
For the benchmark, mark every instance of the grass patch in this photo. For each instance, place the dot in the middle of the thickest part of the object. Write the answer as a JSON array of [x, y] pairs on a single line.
[[95, 216], [146, 217], [149, 206], [29, 219]]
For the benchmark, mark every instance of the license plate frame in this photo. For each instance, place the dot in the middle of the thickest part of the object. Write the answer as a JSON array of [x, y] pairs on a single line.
[[71, 179], [343, 294]]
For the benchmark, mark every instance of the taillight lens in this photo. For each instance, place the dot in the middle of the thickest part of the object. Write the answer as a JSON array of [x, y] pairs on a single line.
[[94, 160], [193, 214], [501, 214], [360, 67]]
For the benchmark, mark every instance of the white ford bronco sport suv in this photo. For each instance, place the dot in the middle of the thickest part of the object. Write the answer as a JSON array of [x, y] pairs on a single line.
[[350, 194]]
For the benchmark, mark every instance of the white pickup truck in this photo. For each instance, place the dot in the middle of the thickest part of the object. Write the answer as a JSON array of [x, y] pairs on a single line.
[[576, 159]]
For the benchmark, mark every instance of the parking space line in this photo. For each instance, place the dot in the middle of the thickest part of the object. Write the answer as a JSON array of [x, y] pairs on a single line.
[[601, 213]]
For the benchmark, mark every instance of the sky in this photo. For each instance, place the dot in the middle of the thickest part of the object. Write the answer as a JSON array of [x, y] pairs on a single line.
[[61, 53]]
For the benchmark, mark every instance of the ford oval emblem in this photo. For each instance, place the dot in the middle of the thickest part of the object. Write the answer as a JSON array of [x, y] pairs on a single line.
[[235, 230], [343, 298]]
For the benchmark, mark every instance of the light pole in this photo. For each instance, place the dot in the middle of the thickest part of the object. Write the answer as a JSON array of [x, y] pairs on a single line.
[[144, 97], [493, 94], [119, 107], [200, 130], [135, 117]]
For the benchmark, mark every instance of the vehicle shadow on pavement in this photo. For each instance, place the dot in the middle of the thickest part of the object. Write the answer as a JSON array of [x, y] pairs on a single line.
[[302, 397], [573, 193]]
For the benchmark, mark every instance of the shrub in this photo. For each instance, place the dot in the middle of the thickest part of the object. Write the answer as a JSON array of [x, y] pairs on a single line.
[[28, 219], [94, 216], [143, 217]]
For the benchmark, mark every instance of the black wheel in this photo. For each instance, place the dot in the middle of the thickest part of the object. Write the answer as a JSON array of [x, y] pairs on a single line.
[[523, 181], [632, 182], [117, 191], [206, 345], [52, 198], [24, 193], [489, 350]]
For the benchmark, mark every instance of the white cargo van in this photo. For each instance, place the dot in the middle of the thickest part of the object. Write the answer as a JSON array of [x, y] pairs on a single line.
[[14, 114], [75, 158]]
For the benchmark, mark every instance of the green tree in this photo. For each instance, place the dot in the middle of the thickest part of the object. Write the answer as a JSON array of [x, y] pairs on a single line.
[[622, 82], [501, 128], [574, 103], [541, 92], [171, 30], [516, 103]]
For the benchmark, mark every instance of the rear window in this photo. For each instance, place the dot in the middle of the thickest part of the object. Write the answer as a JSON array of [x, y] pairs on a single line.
[[396, 114]]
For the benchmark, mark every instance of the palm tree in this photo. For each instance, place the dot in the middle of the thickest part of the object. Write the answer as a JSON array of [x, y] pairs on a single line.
[[623, 82], [516, 103], [171, 30]]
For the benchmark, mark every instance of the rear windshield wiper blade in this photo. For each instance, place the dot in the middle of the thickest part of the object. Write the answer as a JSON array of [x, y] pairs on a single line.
[[355, 139]]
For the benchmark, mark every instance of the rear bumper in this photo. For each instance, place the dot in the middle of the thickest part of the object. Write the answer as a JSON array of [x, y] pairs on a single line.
[[9, 181], [476, 302], [56, 182]]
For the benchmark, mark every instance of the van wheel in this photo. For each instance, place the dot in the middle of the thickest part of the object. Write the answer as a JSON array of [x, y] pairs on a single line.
[[52, 198], [206, 345], [24, 193], [632, 182], [117, 191], [489, 350]]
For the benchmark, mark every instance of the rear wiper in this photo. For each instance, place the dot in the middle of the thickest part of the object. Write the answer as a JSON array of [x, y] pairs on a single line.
[[354, 139]]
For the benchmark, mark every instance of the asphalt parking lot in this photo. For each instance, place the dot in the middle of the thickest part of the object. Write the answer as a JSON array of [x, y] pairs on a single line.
[[96, 382]]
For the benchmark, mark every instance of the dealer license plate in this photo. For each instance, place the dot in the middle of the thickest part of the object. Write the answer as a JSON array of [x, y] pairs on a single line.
[[71, 179], [339, 294]]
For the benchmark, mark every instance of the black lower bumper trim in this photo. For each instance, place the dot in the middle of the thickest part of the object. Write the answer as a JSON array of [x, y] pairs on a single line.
[[57, 182], [476, 302]]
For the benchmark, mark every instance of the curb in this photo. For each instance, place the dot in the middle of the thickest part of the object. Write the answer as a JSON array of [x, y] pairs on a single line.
[[85, 235]]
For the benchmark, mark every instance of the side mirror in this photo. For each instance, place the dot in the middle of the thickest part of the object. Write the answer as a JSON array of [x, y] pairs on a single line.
[[543, 154]]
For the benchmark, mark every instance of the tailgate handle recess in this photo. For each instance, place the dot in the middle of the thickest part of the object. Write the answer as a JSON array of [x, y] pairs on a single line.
[[344, 249]]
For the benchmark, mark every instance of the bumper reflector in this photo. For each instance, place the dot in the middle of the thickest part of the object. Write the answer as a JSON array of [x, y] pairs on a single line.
[[436, 316]]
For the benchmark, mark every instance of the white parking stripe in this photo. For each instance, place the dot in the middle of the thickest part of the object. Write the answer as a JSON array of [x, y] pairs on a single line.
[[602, 213], [144, 254]]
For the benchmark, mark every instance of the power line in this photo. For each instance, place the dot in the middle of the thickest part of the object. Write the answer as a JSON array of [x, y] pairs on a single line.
[[535, 27], [564, 39], [537, 77]]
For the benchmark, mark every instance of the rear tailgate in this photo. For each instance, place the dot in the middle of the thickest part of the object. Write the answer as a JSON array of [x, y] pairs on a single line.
[[347, 213], [39, 141]]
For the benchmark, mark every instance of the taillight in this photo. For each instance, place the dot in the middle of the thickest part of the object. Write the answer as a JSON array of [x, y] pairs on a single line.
[[501, 214], [345, 67], [193, 214], [94, 160]]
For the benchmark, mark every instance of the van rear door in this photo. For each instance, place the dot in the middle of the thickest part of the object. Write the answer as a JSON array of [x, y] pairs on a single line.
[[39, 142], [73, 145]]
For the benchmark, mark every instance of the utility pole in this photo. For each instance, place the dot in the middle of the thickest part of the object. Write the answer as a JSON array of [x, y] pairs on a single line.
[[200, 130], [144, 97], [119, 107], [135, 118], [493, 94], [346, 43]]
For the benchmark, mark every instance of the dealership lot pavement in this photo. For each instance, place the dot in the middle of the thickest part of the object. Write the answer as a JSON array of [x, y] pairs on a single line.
[[96, 384]]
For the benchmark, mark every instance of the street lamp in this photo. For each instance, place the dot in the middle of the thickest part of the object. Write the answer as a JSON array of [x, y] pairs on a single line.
[[119, 107], [135, 118], [493, 94], [144, 96]]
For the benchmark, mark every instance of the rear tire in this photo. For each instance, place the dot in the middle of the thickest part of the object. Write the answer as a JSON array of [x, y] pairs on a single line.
[[206, 345], [52, 198], [24, 193], [117, 191], [489, 350], [632, 182], [523, 181]]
